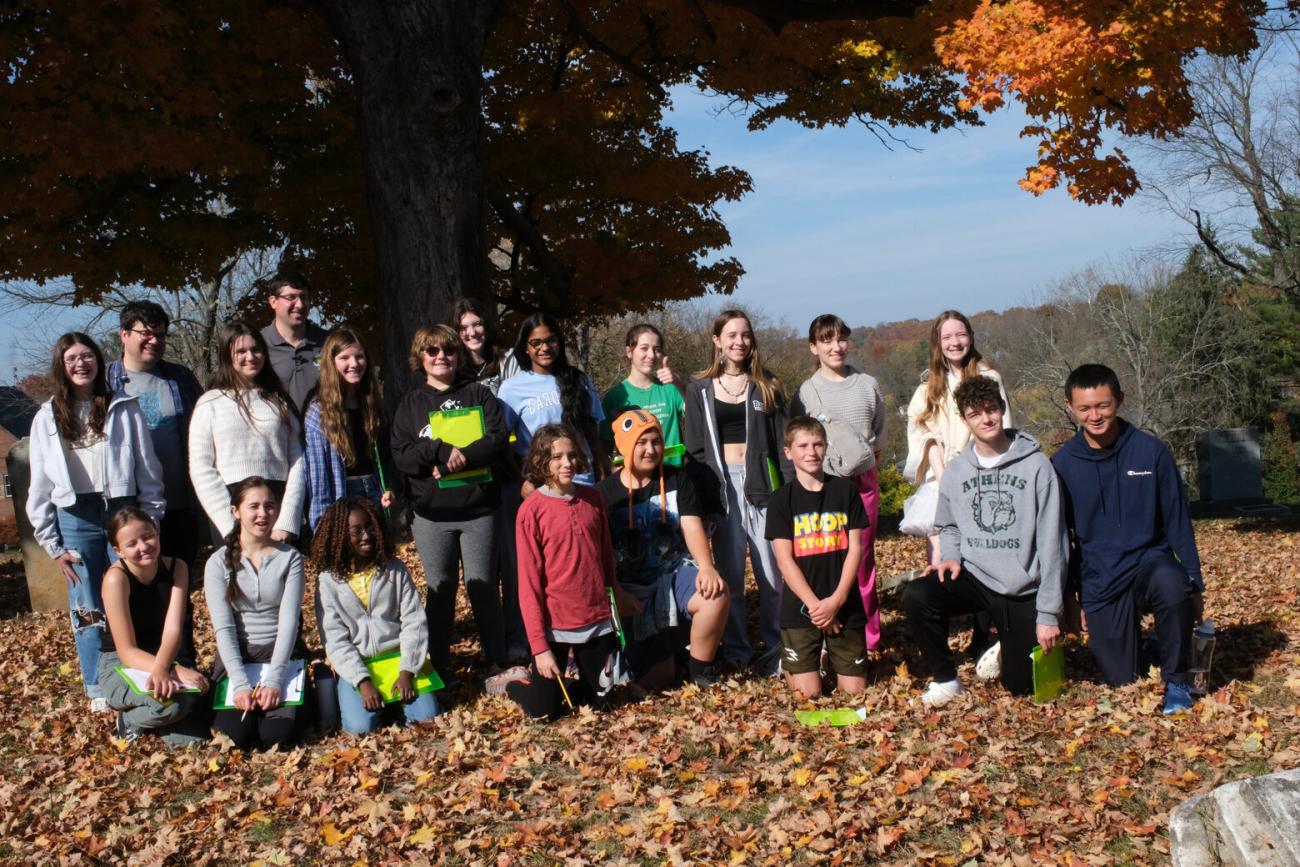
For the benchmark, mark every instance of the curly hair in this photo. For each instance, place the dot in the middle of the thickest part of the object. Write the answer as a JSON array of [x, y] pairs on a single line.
[[65, 414], [330, 551], [234, 546], [538, 458], [978, 392], [331, 393]]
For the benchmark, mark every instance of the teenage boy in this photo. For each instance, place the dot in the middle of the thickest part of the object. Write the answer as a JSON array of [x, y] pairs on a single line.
[[1003, 546], [166, 393], [293, 341], [814, 523], [661, 551], [1133, 536]]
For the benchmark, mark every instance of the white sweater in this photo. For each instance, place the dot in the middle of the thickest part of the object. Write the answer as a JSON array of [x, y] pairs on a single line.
[[225, 449], [946, 427]]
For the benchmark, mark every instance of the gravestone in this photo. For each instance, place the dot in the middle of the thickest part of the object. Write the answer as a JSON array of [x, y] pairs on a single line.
[[46, 586], [1254, 821], [1228, 466]]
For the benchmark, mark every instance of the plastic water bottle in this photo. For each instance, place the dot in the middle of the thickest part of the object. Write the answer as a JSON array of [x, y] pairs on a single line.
[[1198, 662]]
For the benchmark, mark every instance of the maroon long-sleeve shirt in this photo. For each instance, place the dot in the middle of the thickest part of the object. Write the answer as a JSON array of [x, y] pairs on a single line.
[[566, 560]]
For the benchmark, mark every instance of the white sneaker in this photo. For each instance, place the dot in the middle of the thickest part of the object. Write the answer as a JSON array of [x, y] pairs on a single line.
[[989, 665], [938, 694], [99, 704]]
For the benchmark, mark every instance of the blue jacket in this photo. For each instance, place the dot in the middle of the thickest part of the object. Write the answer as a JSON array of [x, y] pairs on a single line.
[[1125, 506]]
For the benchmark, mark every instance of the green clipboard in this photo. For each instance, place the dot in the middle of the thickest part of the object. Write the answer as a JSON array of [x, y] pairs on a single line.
[[135, 679], [385, 668], [460, 427], [840, 716], [774, 477], [292, 691], [1049, 672]]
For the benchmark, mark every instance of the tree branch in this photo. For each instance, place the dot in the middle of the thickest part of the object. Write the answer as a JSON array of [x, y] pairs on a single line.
[[776, 14], [627, 64], [1207, 238], [558, 274]]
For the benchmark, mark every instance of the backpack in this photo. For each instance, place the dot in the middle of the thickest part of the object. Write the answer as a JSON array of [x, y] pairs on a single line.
[[848, 451]]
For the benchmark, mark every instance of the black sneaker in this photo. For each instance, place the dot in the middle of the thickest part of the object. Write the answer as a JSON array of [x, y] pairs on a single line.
[[768, 663], [126, 732], [704, 674]]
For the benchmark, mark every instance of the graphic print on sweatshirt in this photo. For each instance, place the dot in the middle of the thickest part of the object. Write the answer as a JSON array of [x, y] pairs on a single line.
[[426, 432], [820, 533], [993, 507]]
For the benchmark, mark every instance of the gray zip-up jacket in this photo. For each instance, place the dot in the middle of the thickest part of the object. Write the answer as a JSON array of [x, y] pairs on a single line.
[[764, 440], [354, 633], [1006, 524]]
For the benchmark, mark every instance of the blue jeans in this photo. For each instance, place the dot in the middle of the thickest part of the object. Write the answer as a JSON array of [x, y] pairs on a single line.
[[359, 721], [364, 486], [81, 528]]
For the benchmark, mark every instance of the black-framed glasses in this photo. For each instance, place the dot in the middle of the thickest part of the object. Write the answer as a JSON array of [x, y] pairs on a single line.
[[149, 333], [539, 342], [301, 297], [362, 532]]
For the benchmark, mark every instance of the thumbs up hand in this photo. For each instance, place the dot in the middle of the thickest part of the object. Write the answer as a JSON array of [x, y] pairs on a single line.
[[665, 373]]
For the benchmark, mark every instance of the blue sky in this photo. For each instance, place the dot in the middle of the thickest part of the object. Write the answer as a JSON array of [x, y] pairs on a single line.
[[839, 223]]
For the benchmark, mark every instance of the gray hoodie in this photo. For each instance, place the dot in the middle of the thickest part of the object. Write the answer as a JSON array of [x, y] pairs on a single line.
[[353, 632], [1006, 524]]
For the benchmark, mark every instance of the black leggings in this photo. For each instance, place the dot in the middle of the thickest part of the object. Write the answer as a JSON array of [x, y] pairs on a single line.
[[541, 697], [269, 729]]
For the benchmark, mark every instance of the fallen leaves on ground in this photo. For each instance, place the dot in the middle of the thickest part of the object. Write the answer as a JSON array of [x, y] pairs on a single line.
[[724, 775]]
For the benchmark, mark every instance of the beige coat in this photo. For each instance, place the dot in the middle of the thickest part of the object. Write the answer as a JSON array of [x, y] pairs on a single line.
[[945, 427]]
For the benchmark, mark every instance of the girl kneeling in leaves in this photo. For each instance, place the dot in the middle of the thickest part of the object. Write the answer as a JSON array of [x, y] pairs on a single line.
[[254, 588], [367, 606], [566, 562], [151, 629]]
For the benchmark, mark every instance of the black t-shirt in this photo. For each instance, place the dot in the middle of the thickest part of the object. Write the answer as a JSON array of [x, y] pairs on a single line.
[[364, 465], [652, 542], [818, 524]]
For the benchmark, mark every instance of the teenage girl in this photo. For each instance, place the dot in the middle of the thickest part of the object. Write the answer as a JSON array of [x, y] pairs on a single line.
[[549, 390], [935, 430], [367, 605], [651, 385], [342, 426], [850, 406], [245, 425], [150, 628], [566, 564], [735, 424], [486, 357], [91, 454], [254, 588]]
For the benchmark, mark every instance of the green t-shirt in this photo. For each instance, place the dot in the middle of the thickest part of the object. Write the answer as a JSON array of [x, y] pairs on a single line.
[[664, 402]]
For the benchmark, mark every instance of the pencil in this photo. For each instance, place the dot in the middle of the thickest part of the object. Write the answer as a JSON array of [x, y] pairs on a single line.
[[559, 678]]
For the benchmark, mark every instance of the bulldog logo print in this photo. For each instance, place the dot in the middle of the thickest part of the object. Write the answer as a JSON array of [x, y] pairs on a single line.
[[994, 511]]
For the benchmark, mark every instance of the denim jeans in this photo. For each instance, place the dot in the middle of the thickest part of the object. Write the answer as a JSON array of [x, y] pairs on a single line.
[[744, 526], [364, 486], [81, 528], [359, 721]]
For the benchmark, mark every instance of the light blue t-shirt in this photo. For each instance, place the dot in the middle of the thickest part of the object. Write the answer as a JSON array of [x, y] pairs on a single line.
[[532, 400]]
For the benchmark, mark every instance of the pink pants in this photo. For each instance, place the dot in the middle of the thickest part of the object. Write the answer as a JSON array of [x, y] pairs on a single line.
[[868, 486]]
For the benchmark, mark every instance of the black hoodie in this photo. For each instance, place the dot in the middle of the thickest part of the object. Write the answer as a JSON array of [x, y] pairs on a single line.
[[416, 455]]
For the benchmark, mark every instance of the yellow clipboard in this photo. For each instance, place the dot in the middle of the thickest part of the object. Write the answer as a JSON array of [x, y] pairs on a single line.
[[460, 427]]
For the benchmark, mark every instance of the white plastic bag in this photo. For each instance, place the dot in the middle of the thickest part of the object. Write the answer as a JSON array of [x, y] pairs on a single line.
[[919, 509]]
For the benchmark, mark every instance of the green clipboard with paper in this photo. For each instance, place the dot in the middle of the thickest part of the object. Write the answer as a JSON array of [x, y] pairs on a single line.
[[385, 668], [1049, 672], [460, 427]]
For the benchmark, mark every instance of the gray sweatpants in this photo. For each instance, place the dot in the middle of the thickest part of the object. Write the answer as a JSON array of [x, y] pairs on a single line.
[[743, 528], [146, 713], [472, 545]]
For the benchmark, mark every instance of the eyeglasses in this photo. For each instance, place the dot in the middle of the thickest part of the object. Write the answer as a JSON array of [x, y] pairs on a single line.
[[300, 298], [539, 342], [361, 532], [435, 351], [148, 333], [83, 358]]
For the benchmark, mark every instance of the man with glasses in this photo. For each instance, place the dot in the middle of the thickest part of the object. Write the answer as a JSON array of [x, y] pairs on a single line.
[[293, 340], [166, 393]]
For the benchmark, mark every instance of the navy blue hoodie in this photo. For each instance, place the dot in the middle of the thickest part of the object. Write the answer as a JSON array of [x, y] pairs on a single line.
[[1125, 505]]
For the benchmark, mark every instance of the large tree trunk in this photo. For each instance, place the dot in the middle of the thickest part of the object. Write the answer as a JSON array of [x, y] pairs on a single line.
[[417, 65]]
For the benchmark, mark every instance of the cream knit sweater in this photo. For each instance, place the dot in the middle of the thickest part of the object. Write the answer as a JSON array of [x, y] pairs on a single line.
[[945, 427], [225, 449]]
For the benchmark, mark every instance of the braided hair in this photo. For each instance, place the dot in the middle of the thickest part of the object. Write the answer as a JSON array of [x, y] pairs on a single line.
[[330, 551], [234, 547]]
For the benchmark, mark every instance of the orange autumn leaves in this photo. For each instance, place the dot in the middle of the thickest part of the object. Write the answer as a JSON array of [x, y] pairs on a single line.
[[1079, 68]]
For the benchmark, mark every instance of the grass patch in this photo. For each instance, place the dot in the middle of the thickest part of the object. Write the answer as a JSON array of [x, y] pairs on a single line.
[[1272, 692], [266, 832]]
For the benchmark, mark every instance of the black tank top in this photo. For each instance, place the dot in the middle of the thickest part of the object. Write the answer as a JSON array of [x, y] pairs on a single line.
[[147, 604], [731, 421]]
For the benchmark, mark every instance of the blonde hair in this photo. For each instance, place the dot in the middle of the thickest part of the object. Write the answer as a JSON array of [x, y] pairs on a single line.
[[767, 382], [936, 388], [329, 396]]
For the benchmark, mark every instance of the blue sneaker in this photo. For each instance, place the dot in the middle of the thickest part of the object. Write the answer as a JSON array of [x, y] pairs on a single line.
[[1178, 697]]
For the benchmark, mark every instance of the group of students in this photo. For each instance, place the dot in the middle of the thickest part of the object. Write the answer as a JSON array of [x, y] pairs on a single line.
[[582, 572]]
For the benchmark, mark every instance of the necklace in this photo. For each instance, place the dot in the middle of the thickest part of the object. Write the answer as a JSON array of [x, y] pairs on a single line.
[[723, 385]]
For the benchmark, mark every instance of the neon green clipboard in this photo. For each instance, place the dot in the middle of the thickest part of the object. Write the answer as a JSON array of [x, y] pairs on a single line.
[[385, 668], [460, 427]]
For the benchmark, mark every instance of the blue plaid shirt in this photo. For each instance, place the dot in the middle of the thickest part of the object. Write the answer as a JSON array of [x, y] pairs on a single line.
[[327, 478]]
